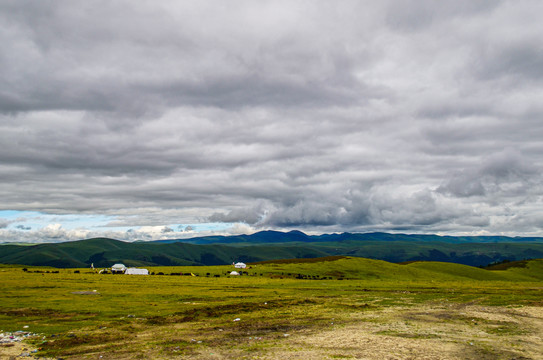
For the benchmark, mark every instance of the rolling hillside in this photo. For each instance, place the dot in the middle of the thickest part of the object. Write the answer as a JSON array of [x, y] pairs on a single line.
[[104, 252], [368, 269], [267, 245]]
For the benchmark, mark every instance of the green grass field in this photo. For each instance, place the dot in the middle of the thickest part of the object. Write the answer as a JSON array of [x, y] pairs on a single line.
[[84, 315]]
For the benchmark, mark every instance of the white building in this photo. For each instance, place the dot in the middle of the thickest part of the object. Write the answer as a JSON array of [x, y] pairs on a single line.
[[240, 265], [134, 271]]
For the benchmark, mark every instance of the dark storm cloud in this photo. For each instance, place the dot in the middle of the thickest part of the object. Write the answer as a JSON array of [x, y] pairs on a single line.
[[415, 15], [519, 62], [327, 117], [84, 57], [505, 173]]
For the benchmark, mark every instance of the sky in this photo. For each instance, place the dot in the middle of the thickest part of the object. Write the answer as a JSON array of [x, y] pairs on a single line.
[[171, 119]]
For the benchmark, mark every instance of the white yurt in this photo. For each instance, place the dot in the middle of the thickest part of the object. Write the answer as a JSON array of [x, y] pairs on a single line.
[[118, 269], [240, 265]]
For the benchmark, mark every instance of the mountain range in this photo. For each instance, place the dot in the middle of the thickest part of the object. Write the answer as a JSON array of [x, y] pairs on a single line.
[[269, 245]]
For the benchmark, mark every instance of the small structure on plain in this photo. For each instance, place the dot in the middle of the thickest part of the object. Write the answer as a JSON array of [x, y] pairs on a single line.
[[135, 271], [118, 269]]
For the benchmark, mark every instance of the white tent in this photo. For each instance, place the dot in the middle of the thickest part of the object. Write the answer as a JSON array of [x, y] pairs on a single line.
[[240, 265], [234, 273], [118, 268], [134, 271]]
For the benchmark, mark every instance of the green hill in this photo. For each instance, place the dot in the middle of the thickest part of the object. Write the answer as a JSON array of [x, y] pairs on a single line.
[[368, 269], [467, 250], [104, 252], [473, 254], [267, 245]]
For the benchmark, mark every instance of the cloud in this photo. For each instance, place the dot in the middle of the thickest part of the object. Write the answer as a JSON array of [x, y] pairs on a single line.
[[506, 173], [322, 116], [248, 215], [419, 15], [153, 58], [53, 231], [48, 233], [57, 233]]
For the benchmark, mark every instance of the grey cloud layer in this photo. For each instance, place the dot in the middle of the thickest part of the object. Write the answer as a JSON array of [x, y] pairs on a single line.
[[353, 116]]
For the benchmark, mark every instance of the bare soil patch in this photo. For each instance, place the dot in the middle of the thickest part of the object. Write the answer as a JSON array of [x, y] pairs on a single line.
[[428, 332]]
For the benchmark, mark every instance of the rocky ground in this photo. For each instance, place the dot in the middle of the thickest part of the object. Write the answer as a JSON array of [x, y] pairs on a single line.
[[13, 345]]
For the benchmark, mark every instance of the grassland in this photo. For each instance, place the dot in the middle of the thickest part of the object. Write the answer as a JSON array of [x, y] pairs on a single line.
[[319, 308]]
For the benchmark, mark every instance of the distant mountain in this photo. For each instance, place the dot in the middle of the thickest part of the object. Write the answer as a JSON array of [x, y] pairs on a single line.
[[270, 236], [261, 237], [270, 245]]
